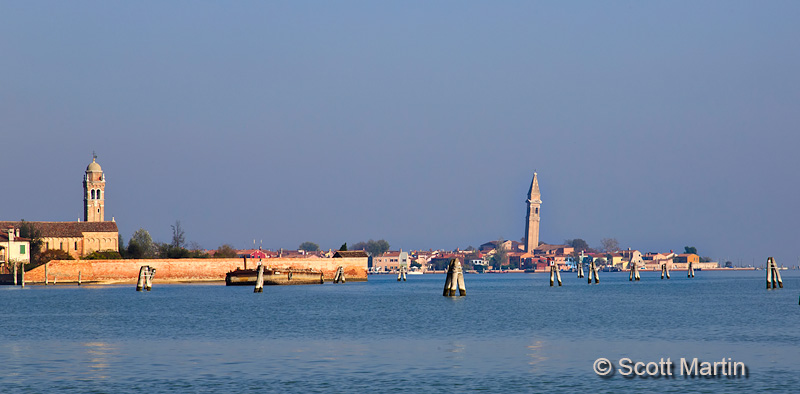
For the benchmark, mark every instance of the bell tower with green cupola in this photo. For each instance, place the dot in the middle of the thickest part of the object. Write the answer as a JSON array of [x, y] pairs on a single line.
[[94, 192]]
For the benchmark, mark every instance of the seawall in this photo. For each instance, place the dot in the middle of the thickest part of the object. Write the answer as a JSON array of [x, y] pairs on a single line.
[[184, 270]]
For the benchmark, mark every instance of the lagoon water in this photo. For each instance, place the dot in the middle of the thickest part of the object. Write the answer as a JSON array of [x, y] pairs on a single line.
[[511, 333]]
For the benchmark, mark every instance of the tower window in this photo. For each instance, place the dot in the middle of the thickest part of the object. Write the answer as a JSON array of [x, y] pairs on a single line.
[[92, 194], [76, 245], [98, 194], [537, 211]]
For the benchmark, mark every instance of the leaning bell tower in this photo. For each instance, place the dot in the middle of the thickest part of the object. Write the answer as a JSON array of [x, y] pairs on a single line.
[[94, 192], [532, 223]]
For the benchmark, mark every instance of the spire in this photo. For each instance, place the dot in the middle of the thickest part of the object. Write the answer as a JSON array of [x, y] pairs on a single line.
[[533, 193]]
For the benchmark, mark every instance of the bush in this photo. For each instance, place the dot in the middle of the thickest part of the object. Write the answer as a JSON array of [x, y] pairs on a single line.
[[103, 255]]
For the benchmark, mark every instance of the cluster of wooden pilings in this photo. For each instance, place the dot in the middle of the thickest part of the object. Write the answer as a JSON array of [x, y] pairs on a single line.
[[580, 265], [593, 272], [690, 270], [634, 271], [401, 275], [554, 273], [455, 280], [338, 277], [773, 274], [145, 281], [664, 270]]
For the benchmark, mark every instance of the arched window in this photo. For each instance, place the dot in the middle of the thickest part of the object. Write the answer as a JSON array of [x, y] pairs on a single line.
[[92, 194], [98, 194]]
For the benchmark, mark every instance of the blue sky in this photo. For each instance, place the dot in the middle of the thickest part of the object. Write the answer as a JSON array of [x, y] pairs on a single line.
[[661, 124]]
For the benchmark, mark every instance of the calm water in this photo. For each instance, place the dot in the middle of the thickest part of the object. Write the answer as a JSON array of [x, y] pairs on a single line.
[[512, 333]]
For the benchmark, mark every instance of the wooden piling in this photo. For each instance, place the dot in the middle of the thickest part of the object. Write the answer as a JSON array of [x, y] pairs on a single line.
[[22, 271], [462, 289], [79, 278], [690, 271], [558, 274], [148, 280], [777, 274], [448, 281], [259, 280], [45, 273], [769, 273], [552, 276], [15, 273], [636, 272], [631, 268], [580, 265], [140, 282]]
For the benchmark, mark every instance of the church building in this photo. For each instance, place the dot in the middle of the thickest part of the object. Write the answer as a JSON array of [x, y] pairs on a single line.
[[82, 237]]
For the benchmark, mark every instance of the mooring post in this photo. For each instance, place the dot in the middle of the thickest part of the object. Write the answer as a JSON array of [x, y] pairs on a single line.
[[260, 280], [580, 265], [140, 282], [15, 273], [636, 274], [462, 289], [631, 268], [405, 272], [777, 274], [148, 280], [45, 273], [22, 267], [79, 278], [552, 275], [690, 271], [558, 273], [769, 273], [448, 281]]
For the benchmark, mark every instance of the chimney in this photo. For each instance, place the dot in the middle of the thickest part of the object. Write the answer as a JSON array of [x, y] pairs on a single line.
[[11, 234]]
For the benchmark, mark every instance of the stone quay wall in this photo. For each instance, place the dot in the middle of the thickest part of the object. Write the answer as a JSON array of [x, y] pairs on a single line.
[[184, 270]]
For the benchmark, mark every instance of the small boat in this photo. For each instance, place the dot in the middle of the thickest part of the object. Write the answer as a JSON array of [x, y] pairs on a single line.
[[274, 276], [414, 271]]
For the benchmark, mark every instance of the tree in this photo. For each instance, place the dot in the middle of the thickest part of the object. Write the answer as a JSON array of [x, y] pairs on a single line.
[[578, 244], [500, 256], [374, 248], [29, 230], [377, 248], [178, 236], [308, 246], [141, 245], [225, 251], [343, 248], [609, 245], [690, 250]]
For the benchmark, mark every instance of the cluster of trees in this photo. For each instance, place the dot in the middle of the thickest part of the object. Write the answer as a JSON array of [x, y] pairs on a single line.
[[142, 246], [372, 247]]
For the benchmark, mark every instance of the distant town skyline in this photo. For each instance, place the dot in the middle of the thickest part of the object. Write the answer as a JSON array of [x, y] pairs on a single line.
[[662, 125]]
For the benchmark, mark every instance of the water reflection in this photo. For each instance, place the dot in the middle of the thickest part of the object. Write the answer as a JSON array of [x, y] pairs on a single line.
[[99, 354], [536, 354]]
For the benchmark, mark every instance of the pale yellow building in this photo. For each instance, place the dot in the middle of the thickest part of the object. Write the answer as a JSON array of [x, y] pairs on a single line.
[[81, 238]]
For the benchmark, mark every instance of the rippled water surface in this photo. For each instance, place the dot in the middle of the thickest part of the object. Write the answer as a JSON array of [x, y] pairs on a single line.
[[511, 333]]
